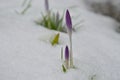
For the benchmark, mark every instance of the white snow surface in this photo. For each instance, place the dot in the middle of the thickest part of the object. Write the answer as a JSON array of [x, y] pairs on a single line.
[[26, 53]]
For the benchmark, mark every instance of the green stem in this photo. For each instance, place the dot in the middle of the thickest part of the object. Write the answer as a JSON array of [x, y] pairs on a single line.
[[67, 64]]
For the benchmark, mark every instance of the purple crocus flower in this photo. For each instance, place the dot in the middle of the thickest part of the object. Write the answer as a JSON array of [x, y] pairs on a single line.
[[66, 53], [47, 5], [69, 29], [67, 57], [68, 21]]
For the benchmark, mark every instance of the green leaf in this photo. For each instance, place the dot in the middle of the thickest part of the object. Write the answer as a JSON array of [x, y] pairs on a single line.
[[55, 39], [49, 21], [63, 68]]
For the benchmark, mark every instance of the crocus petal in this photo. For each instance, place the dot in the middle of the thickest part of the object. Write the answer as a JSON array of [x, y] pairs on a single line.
[[68, 21], [67, 53]]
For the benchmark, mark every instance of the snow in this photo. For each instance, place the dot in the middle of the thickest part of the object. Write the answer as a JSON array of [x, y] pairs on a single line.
[[26, 54]]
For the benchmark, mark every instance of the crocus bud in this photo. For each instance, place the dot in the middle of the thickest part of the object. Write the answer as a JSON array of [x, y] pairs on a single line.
[[68, 22], [67, 57], [69, 29], [47, 5], [66, 53]]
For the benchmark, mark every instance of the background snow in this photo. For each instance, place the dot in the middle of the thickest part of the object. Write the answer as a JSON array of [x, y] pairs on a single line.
[[24, 56]]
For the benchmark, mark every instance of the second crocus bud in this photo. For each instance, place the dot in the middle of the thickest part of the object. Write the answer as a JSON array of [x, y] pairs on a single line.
[[67, 57]]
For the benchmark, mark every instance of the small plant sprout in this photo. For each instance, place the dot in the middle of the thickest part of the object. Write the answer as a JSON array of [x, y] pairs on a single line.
[[67, 57], [55, 39], [63, 68], [52, 21], [69, 30]]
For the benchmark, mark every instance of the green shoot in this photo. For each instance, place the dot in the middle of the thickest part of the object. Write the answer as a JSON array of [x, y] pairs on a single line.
[[64, 69], [55, 39], [52, 21]]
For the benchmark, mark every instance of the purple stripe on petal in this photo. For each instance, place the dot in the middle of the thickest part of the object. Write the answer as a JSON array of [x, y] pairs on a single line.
[[66, 53], [68, 21]]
